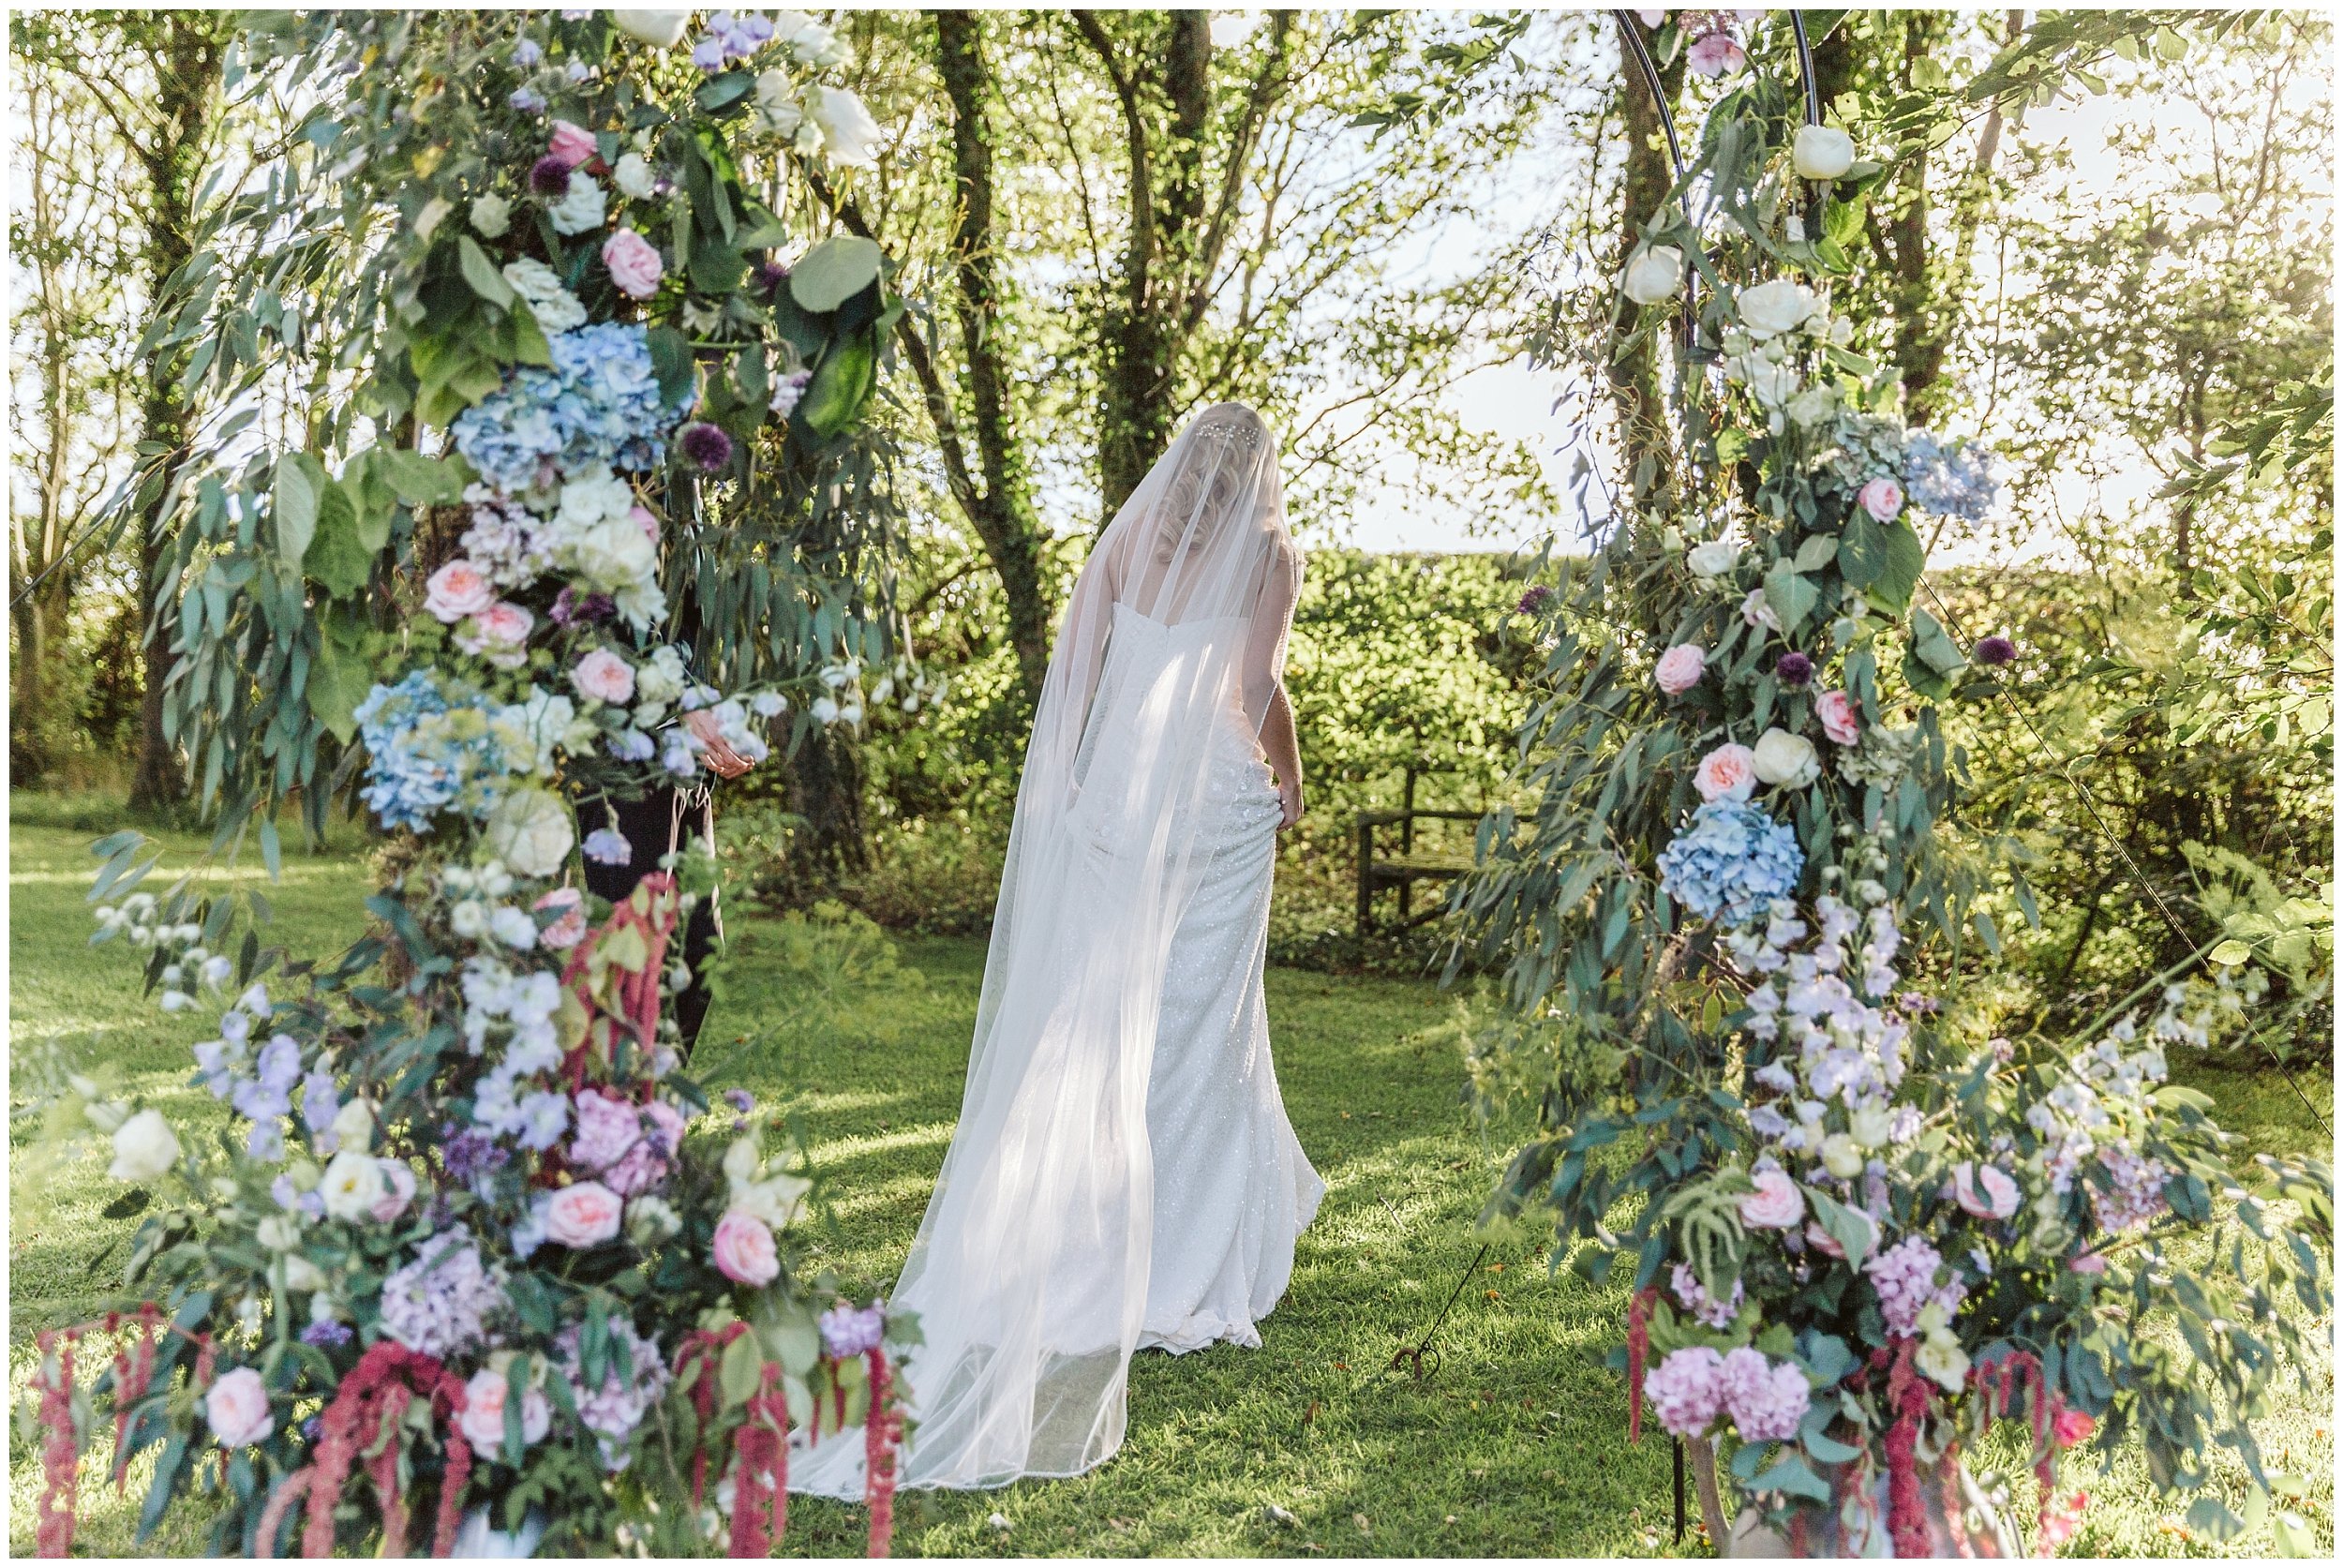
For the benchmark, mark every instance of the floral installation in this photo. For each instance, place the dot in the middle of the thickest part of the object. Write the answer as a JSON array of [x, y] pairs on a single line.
[[1868, 1232], [477, 1243]]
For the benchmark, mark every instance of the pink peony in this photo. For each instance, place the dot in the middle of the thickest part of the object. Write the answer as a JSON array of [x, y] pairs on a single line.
[[647, 519], [1841, 720], [1882, 498], [634, 264], [483, 1418], [1714, 54], [573, 144], [398, 1190], [744, 1249], [456, 590], [1986, 1191], [1776, 1205], [569, 926], [585, 1213], [1766, 1401], [1687, 1390], [236, 1405], [1679, 668], [1728, 774], [608, 1127], [604, 677]]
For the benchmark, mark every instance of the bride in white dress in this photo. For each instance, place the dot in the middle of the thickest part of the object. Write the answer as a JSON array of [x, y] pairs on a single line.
[[1123, 1175]]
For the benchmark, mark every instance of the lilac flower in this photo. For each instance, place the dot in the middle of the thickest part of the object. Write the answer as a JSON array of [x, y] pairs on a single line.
[[1766, 1402], [549, 176], [440, 1304], [1687, 1390], [706, 445], [608, 846], [529, 102], [325, 1332], [613, 1412], [849, 1331], [1695, 1299], [633, 745], [527, 52], [2137, 1197], [1794, 669], [1534, 601], [265, 1142], [1905, 1277], [708, 54], [1996, 651]]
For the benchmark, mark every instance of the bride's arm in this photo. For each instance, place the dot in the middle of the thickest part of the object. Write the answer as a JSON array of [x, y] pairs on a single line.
[[1278, 743]]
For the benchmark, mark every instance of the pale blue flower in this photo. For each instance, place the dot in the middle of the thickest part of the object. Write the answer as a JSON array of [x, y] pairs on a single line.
[[1731, 863], [608, 846]]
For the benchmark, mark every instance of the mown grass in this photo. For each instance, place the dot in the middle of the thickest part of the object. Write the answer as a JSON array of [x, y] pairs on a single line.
[[1308, 1445]]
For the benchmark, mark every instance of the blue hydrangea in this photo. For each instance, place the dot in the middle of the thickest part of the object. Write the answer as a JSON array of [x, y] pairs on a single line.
[[1731, 862], [599, 403], [426, 754], [1951, 479]]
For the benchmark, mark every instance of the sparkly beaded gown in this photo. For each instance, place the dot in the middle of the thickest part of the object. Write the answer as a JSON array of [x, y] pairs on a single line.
[[1123, 1174]]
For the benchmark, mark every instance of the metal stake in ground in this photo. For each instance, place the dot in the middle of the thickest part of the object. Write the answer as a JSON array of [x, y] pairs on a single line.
[[1412, 1360]]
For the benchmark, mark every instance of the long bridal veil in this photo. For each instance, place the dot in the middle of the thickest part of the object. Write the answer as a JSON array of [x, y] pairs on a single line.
[[1030, 1270]]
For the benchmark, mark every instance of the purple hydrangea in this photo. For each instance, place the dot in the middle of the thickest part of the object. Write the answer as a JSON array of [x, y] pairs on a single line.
[[441, 1303], [1905, 1277], [1766, 1400], [1794, 669], [325, 1333], [1687, 1390], [851, 1331], [1694, 1299], [2137, 1197], [705, 445], [613, 1412]]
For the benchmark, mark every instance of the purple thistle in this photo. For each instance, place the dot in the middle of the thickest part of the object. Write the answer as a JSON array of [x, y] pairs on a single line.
[[1794, 668], [570, 607], [771, 276], [325, 1332], [1534, 601], [549, 176], [1996, 649], [706, 445], [469, 1154]]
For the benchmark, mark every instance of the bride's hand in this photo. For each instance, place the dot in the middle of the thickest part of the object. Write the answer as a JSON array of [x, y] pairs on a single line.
[[721, 758], [1290, 800]]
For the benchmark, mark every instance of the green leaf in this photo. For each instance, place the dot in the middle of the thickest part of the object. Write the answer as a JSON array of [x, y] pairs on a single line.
[[671, 361], [481, 274], [338, 558], [1793, 1475], [841, 266], [2230, 952], [300, 477], [1818, 551], [841, 385], [722, 92], [1934, 648], [1850, 1228], [742, 1370], [1791, 596], [420, 480], [2210, 1517], [338, 682]]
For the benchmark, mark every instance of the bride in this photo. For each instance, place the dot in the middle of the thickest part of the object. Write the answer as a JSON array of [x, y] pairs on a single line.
[[1123, 1175]]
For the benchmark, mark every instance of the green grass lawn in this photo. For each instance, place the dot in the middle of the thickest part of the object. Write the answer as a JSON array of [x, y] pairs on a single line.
[[1308, 1445]]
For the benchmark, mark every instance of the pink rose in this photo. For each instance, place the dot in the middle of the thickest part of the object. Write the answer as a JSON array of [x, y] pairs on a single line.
[[2087, 1263], [483, 1418], [634, 264], [1840, 720], [604, 677], [585, 1214], [1986, 1191], [744, 1249], [569, 926], [457, 589], [1824, 1242], [1679, 668], [236, 1405], [647, 519], [573, 144], [398, 1190], [1776, 1205], [505, 622], [1728, 774], [1882, 498]]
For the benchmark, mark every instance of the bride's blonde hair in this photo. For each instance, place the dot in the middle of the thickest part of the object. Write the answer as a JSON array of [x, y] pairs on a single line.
[[1225, 447]]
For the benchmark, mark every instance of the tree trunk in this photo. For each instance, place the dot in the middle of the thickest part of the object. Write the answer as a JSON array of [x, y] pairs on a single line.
[[187, 79], [1648, 435], [826, 790]]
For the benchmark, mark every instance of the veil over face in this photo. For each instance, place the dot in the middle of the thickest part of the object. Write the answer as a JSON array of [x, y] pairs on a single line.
[[1030, 1271]]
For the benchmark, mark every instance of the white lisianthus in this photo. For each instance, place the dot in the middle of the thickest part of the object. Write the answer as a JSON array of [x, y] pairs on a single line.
[[469, 919], [583, 207], [1821, 153], [1771, 309], [1781, 757], [659, 679], [659, 29], [353, 1185], [632, 176], [353, 1125], [849, 133], [513, 926], [556, 309], [1771, 383], [826, 710], [491, 216], [278, 1233], [144, 1148], [1712, 558], [303, 1275], [1870, 1126], [777, 103], [175, 1001], [1654, 273], [530, 830], [1816, 405]]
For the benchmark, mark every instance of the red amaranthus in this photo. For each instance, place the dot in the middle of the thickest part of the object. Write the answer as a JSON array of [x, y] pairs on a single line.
[[882, 1430], [1638, 1348], [61, 1457], [365, 1410]]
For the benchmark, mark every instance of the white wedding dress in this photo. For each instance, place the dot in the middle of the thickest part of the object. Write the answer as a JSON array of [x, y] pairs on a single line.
[[1123, 1174]]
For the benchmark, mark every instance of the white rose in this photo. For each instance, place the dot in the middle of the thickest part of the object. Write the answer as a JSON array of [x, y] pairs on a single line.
[[848, 132], [302, 1275], [612, 554], [1815, 406], [632, 176], [1713, 559], [144, 1148], [1821, 153], [594, 495], [491, 216], [1781, 305], [353, 1185], [1771, 383], [659, 29], [1783, 758], [583, 207], [660, 680], [530, 830], [1653, 273]]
